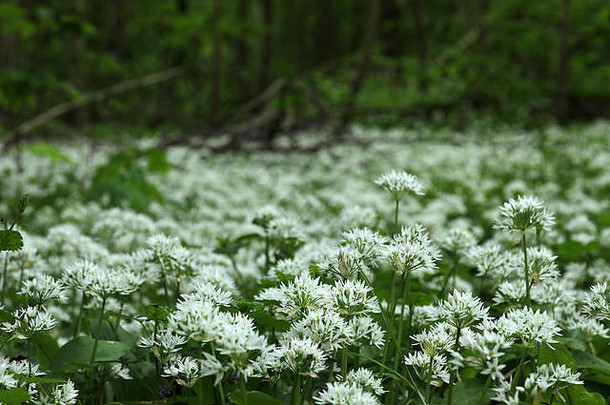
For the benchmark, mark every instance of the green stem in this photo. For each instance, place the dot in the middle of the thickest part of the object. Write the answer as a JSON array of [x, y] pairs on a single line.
[[4, 277], [406, 289], [429, 382], [552, 398], [27, 344], [242, 384], [454, 375], [79, 316], [396, 216], [526, 272], [485, 389], [295, 398], [391, 315], [306, 390], [518, 369], [450, 275], [97, 333], [344, 362]]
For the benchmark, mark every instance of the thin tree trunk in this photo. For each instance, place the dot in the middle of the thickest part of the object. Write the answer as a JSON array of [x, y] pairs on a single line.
[[267, 48], [367, 53], [241, 50], [215, 76], [422, 45], [564, 55]]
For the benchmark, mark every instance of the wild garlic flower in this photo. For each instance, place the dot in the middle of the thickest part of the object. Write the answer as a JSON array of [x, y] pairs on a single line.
[[345, 262], [207, 291], [343, 393], [529, 326], [489, 259], [79, 274], [399, 184], [436, 339], [427, 367], [197, 319], [43, 288], [551, 377], [483, 349], [293, 300], [302, 356], [597, 302], [461, 309], [61, 394], [107, 282], [239, 340], [367, 242], [522, 213], [363, 330], [412, 251], [325, 327], [540, 264], [354, 297], [290, 267], [28, 321], [8, 378], [365, 379], [506, 394], [120, 371], [458, 241], [188, 370], [168, 253], [164, 346]]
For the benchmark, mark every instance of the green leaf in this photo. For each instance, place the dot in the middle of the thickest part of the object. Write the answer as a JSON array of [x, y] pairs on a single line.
[[559, 354], [10, 240], [46, 347], [254, 398], [14, 396], [588, 361], [468, 392], [78, 352]]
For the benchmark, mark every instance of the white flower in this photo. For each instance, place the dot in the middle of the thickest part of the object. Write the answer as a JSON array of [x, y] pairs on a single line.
[[461, 309], [488, 259], [325, 327], [344, 393], [28, 321], [597, 302], [364, 330], [302, 356], [551, 376], [197, 319], [353, 297], [458, 241], [43, 288], [186, 370], [61, 394], [398, 184], [296, 298], [120, 371], [429, 367], [529, 326], [523, 213], [412, 251], [364, 378]]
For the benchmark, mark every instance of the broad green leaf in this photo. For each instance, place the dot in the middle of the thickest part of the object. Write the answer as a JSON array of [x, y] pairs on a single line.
[[588, 361], [469, 391], [10, 240], [14, 396], [78, 352], [254, 398], [46, 347]]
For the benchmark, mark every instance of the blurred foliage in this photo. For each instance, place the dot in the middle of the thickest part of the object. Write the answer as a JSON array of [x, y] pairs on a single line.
[[52, 51]]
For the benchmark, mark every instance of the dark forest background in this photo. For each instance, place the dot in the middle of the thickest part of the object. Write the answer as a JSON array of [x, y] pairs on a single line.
[[269, 65]]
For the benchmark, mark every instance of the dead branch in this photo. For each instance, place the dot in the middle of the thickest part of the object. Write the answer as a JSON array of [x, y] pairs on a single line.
[[63, 108]]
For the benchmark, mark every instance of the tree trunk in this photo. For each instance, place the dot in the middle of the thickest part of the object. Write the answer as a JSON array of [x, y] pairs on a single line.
[[367, 52], [242, 51], [564, 55], [264, 75], [422, 44], [215, 74]]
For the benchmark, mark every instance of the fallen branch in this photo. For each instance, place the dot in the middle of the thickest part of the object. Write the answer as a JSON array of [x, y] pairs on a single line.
[[460, 46], [63, 108]]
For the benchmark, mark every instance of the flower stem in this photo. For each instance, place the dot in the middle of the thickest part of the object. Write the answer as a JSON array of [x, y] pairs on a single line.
[[306, 390], [295, 398], [391, 315], [79, 316], [344, 362], [485, 389], [396, 216], [454, 375], [97, 332], [221, 392], [429, 382], [526, 272], [242, 384]]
